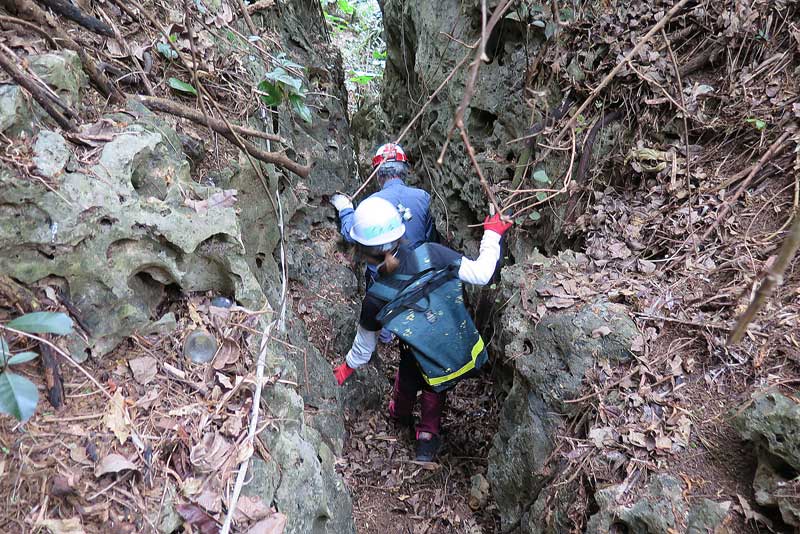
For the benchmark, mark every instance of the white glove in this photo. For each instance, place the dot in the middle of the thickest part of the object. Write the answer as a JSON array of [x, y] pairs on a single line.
[[341, 202]]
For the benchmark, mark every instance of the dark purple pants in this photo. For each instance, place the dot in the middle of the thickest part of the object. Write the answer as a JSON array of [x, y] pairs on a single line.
[[407, 383]]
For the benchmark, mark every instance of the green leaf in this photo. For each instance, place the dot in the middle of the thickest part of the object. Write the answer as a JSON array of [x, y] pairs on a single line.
[[346, 7], [298, 105], [541, 176], [534, 215], [273, 95], [363, 78], [165, 50], [173, 38], [338, 22], [43, 323], [280, 75], [758, 123], [18, 396], [4, 350], [541, 195], [22, 357], [182, 86], [377, 54]]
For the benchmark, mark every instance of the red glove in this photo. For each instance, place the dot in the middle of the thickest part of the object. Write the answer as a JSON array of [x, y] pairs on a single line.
[[342, 373], [496, 224]]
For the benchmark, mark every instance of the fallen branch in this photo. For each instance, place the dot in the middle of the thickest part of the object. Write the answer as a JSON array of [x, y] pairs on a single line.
[[173, 108], [773, 279], [67, 10], [611, 75], [32, 12], [30, 26], [774, 149], [9, 62], [54, 381]]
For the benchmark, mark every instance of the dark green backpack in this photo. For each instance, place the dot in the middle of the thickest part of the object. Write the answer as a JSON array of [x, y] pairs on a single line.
[[426, 311]]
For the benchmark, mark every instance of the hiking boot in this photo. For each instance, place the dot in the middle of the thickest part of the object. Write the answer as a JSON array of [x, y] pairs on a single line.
[[427, 446]]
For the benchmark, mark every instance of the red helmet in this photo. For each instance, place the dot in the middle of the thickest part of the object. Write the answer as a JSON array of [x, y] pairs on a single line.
[[389, 152]]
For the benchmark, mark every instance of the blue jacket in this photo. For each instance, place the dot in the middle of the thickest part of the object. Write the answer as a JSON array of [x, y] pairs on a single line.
[[418, 228]]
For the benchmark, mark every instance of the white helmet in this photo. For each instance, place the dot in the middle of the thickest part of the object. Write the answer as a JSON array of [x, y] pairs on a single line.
[[376, 222]]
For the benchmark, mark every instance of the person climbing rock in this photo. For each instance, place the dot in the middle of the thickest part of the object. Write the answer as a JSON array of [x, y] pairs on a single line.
[[418, 295], [413, 203]]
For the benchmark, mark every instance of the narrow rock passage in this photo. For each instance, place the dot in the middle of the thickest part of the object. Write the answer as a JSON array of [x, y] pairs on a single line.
[[392, 493]]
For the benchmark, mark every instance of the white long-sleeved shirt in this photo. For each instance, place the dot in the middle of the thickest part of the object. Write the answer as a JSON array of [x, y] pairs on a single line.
[[478, 272]]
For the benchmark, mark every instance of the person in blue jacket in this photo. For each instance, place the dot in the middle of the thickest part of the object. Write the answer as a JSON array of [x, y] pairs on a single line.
[[411, 202]]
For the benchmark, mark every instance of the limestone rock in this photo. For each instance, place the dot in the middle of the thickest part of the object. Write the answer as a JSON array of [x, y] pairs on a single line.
[[15, 115], [774, 490], [50, 153], [61, 71], [119, 234], [771, 422], [660, 510], [549, 360], [707, 516]]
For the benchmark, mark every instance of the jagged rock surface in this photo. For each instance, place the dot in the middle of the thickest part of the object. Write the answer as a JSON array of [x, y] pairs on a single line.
[[770, 422], [549, 361], [117, 236]]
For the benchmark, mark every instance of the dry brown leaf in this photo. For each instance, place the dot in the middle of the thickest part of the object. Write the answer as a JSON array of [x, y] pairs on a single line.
[[209, 454], [752, 515], [232, 426], [227, 354], [210, 500], [273, 525], [559, 302], [62, 526], [196, 517], [251, 508], [223, 199], [62, 486], [78, 453], [144, 369], [113, 463], [115, 418]]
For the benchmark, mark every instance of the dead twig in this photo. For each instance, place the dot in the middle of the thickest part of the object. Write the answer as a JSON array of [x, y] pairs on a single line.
[[173, 108], [30, 26], [484, 183], [773, 279], [416, 118], [251, 430], [73, 13], [774, 149], [472, 77], [9, 62], [611, 75], [690, 221]]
